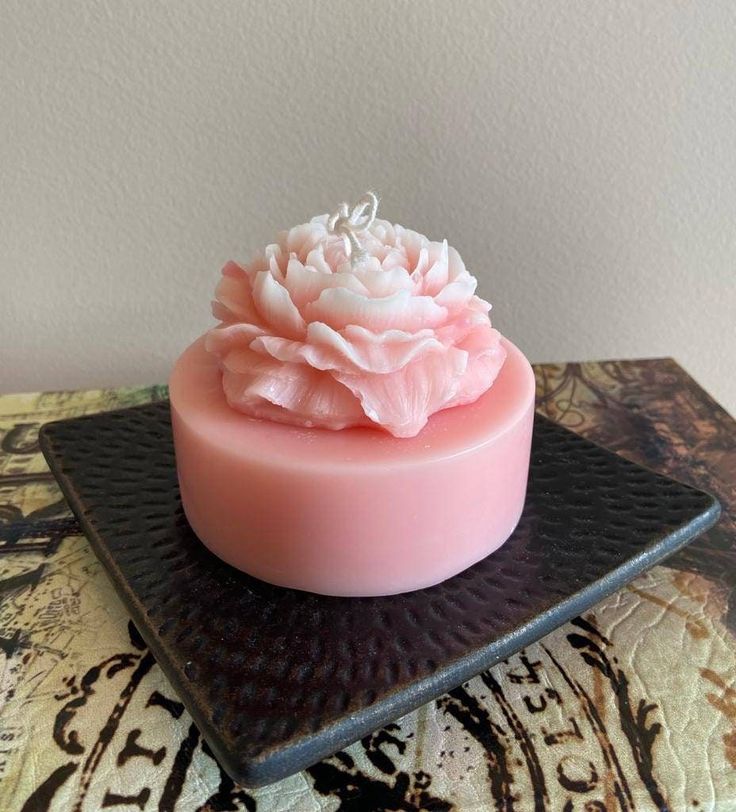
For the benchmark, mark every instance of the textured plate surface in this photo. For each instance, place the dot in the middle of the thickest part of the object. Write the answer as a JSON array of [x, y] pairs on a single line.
[[277, 679]]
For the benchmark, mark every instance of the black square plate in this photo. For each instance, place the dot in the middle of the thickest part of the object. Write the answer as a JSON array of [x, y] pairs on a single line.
[[277, 679]]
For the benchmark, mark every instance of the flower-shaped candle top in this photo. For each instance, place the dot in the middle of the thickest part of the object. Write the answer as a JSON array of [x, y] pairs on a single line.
[[350, 321]]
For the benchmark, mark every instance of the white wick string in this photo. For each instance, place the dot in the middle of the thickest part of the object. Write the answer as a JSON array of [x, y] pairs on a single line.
[[348, 224]]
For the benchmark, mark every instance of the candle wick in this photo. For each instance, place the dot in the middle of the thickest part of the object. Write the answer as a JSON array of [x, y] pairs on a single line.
[[349, 223]]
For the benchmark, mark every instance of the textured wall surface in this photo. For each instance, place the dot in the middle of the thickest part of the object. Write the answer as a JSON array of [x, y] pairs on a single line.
[[580, 155]]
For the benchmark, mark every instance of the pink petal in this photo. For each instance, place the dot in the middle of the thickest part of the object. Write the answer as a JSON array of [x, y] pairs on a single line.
[[339, 307], [479, 305], [417, 274], [288, 393], [455, 330], [300, 240], [457, 294], [482, 370], [436, 276], [287, 351], [381, 282], [456, 266], [316, 259], [275, 306], [233, 296], [334, 252], [243, 361], [355, 351], [402, 401], [275, 259], [393, 258], [412, 243], [481, 337], [380, 353], [305, 284], [234, 270], [384, 232], [222, 340]]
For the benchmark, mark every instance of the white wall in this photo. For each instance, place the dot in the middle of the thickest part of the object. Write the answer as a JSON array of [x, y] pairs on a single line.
[[580, 155]]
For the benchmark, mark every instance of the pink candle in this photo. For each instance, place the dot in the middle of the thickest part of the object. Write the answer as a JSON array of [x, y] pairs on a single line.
[[354, 426], [356, 511]]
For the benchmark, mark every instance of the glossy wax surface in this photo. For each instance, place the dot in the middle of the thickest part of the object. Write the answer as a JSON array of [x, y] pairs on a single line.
[[353, 512]]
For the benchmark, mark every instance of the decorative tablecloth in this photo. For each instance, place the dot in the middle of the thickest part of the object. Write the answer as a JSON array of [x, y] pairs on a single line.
[[631, 707]]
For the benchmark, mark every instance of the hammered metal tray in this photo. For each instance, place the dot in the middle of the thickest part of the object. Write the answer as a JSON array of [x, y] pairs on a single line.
[[277, 679]]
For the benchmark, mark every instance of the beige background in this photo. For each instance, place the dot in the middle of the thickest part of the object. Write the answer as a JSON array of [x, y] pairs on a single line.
[[580, 155]]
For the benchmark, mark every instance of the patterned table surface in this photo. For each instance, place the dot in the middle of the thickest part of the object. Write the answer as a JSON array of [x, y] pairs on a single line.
[[632, 707]]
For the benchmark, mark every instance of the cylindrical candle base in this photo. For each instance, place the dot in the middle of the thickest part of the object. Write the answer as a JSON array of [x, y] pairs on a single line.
[[354, 512]]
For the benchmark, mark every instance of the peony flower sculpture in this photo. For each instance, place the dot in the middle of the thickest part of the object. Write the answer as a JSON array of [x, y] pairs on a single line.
[[350, 321]]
